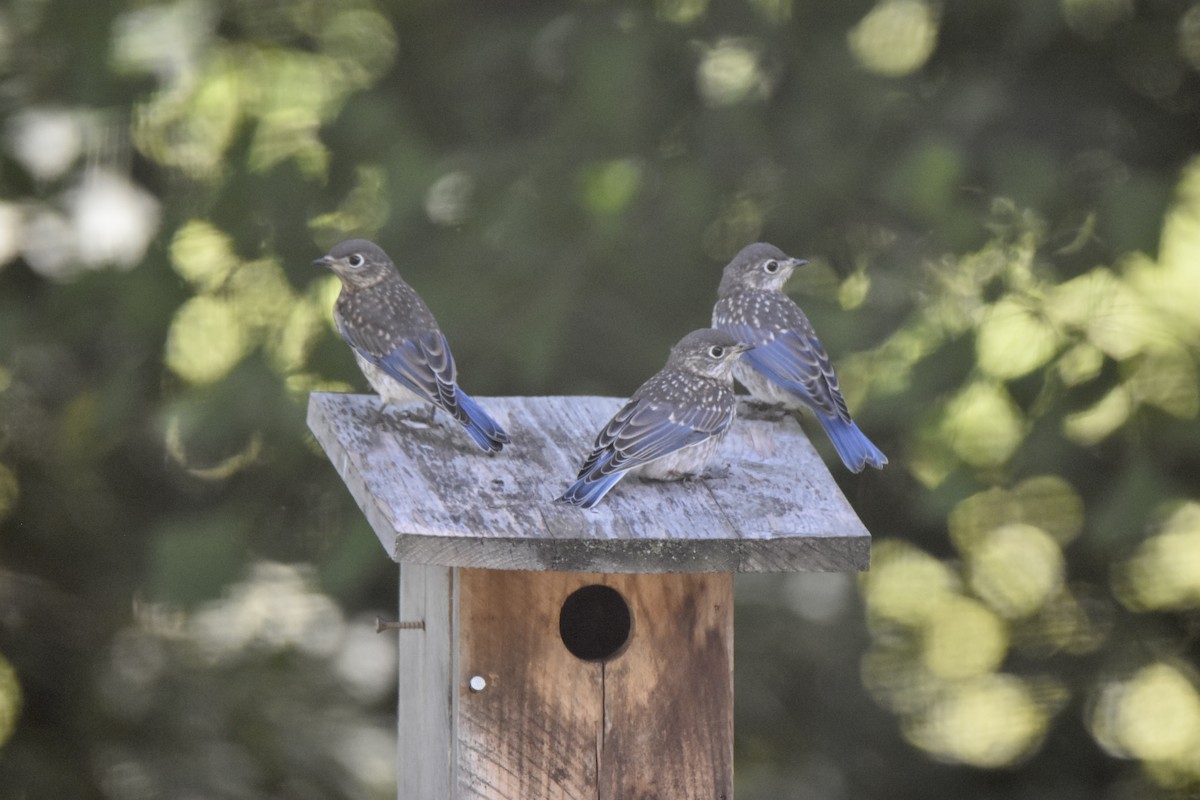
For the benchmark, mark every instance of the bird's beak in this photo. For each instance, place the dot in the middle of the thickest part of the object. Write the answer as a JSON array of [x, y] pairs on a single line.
[[796, 262], [323, 261], [742, 347]]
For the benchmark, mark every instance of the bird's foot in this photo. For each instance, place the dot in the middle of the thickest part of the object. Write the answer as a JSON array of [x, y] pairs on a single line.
[[717, 473], [422, 416], [396, 419], [760, 409]]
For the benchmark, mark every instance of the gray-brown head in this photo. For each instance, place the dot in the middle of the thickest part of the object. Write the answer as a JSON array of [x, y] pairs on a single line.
[[358, 262], [707, 352], [759, 266]]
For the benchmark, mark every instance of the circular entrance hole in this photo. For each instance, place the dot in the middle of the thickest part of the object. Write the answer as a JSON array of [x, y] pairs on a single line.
[[594, 623]]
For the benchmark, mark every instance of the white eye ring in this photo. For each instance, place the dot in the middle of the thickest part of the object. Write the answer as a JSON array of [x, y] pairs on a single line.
[[772, 266], [355, 260], [716, 351]]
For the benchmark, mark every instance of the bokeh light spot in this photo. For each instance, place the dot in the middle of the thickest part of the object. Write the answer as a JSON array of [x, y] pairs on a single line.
[[1016, 569], [963, 639], [191, 128], [448, 201], [46, 141], [680, 12], [1171, 286], [10, 700], [1157, 715], [9, 491], [1189, 36], [205, 341], [1052, 504], [853, 290], [1080, 364], [1108, 311], [10, 231], [989, 722], [1014, 340], [114, 219], [1166, 378], [276, 608], [202, 254], [1164, 573], [731, 71], [905, 584], [982, 425], [895, 38], [1097, 423], [363, 211], [608, 187], [48, 244]]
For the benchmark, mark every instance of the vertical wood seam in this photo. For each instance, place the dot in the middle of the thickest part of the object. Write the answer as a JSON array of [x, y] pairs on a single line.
[[452, 624]]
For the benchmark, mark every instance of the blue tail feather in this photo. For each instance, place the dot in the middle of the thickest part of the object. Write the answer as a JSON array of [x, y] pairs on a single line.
[[587, 491], [851, 444], [486, 432]]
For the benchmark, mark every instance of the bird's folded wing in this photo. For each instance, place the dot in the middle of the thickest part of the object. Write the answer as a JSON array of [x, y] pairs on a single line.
[[422, 364], [643, 431], [798, 362]]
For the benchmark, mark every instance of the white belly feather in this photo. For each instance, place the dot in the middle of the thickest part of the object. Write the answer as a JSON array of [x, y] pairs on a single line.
[[387, 387], [762, 389], [686, 462]]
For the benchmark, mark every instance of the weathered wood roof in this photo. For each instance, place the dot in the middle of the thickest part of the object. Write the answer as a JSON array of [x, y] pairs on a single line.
[[432, 497]]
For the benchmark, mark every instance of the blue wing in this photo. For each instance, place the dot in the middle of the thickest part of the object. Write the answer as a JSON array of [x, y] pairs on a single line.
[[796, 361], [423, 365], [641, 432]]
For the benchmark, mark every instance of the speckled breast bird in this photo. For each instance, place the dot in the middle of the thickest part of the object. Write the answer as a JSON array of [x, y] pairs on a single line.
[[672, 425], [397, 342], [788, 364]]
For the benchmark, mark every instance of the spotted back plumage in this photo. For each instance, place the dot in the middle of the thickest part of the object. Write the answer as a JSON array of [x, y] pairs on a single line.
[[678, 415], [400, 346], [788, 364]]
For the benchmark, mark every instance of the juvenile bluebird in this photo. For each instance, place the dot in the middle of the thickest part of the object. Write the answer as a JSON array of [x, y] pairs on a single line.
[[672, 425], [788, 364], [397, 342]]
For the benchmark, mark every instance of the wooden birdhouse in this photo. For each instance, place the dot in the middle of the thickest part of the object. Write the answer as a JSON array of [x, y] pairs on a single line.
[[551, 652]]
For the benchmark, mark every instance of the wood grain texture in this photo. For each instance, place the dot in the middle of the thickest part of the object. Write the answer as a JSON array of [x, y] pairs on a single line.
[[432, 497], [653, 723], [668, 699], [426, 744]]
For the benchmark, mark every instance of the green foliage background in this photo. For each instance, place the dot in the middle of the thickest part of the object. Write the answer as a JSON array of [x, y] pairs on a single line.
[[1000, 201]]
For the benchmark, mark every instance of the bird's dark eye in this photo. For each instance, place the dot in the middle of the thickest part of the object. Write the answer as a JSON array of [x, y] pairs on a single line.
[[771, 266], [355, 260], [716, 351]]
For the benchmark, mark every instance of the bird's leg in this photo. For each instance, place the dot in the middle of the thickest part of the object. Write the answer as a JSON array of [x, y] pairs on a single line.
[[422, 415], [719, 473], [763, 409], [379, 414]]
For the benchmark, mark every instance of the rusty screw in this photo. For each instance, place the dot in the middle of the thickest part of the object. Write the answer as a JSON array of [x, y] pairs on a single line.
[[382, 625]]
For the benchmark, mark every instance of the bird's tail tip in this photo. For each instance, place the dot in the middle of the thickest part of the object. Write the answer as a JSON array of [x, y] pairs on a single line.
[[586, 492], [855, 449], [486, 432]]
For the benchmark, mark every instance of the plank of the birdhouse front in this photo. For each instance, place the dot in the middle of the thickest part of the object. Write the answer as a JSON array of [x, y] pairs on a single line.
[[425, 710], [534, 731], [668, 717], [432, 497], [654, 721]]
